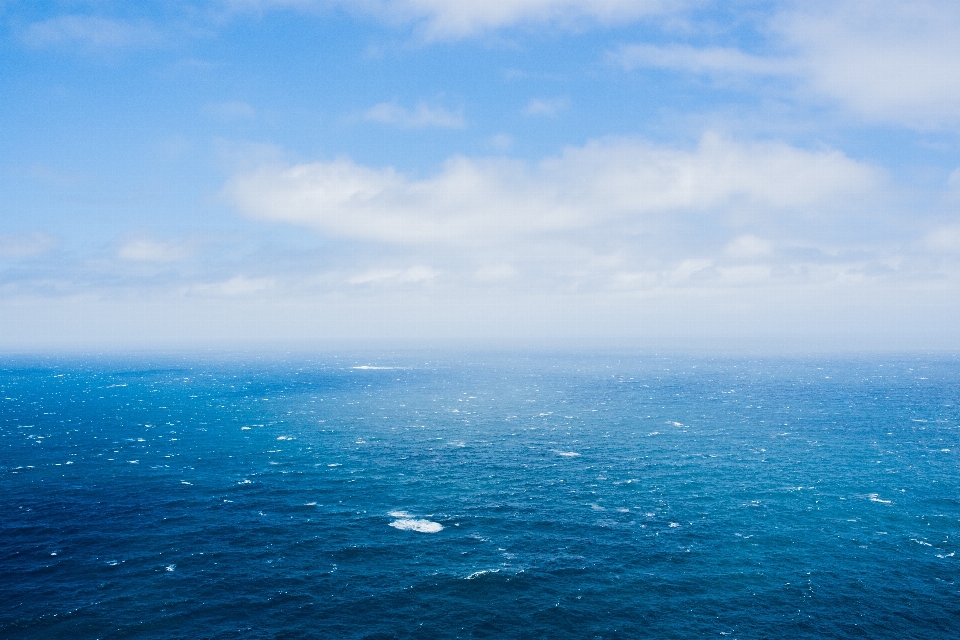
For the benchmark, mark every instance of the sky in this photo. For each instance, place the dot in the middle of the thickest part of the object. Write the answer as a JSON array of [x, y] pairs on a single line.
[[694, 173]]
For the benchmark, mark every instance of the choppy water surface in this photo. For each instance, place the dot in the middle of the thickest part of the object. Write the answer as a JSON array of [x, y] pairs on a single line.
[[480, 496]]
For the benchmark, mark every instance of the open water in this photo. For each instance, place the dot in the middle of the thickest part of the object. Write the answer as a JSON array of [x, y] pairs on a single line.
[[481, 495]]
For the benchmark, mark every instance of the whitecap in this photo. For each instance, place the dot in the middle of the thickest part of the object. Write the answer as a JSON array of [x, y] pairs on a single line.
[[309, 504], [477, 574], [674, 524], [171, 567], [399, 514], [568, 454], [876, 498], [421, 526]]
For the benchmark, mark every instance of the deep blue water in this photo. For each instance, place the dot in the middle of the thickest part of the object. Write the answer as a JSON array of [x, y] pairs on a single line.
[[608, 496]]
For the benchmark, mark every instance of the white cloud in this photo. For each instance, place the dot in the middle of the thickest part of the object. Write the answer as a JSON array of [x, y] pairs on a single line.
[[495, 273], [92, 31], [145, 250], [944, 239], [464, 17], [707, 60], [446, 19], [540, 107], [236, 286], [483, 200], [889, 60], [748, 247], [414, 275], [420, 117], [13, 246]]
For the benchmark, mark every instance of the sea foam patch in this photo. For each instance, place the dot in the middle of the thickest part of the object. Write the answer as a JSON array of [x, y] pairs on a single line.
[[406, 522]]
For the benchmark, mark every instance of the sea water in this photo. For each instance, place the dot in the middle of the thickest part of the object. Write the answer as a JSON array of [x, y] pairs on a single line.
[[480, 495]]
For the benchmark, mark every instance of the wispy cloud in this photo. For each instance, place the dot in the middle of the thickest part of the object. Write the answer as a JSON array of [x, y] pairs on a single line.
[[546, 107], [419, 117], [147, 250], [414, 275], [236, 286], [887, 61], [229, 110], [443, 19], [706, 60], [92, 31], [14, 246]]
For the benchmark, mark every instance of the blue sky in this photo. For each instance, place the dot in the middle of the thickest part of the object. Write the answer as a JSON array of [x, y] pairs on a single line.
[[615, 171]]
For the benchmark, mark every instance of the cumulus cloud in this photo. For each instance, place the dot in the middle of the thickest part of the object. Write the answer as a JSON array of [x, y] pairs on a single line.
[[91, 31], [479, 200], [420, 117]]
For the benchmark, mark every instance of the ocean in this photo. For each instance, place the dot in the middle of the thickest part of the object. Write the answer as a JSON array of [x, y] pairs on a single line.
[[479, 495]]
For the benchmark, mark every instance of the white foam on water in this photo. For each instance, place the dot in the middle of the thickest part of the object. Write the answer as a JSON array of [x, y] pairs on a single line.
[[171, 567], [335, 464], [286, 438], [399, 514], [245, 481], [876, 498], [949, 555], [623, 510], [675, 423], [309, 504], [420, 526], [244, 428], [674, 524], [185, 482], [477, 574], [567, 454], [926, 544], [133, 461]]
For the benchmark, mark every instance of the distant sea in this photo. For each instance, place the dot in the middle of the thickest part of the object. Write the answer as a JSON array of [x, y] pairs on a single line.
[[480, 496]]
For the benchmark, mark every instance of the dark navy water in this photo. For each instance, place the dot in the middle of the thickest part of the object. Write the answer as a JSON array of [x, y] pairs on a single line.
[[471, 496]]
